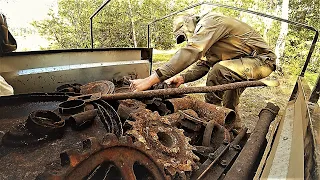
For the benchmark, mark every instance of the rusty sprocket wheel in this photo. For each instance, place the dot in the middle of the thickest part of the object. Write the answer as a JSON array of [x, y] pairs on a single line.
[[168, 144], [111, 159]]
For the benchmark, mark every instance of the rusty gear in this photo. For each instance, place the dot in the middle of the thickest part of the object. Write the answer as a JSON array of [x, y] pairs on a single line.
[[113, 158], [171, 147]]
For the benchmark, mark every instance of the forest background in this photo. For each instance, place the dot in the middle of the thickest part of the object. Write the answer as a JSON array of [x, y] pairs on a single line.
[[123, 23]]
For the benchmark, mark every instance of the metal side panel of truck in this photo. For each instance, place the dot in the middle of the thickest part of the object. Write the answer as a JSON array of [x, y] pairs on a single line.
[[43, 71]]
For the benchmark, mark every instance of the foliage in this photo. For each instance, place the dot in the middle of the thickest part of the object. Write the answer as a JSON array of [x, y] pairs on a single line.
[[161, 57], [69, 27], [114, 25], [299, 39]]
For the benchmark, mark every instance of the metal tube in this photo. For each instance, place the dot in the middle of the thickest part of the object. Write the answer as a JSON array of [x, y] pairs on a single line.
[[221, 115], [313, 45], [91, 33], [314, 97], [148, 36], [245, 164], [179, 91], [93, 15]]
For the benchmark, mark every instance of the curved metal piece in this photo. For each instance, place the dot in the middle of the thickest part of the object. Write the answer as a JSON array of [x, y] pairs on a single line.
[[214, 134], [103, 87], [71, 107], [43, 122], [223, 116], [91, 19], [112, 159], [109, 117]]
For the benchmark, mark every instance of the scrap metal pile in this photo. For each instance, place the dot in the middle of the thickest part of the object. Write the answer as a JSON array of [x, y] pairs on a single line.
[[163, 137]]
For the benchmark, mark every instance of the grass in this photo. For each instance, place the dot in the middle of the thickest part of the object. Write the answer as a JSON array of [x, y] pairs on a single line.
[[161, 57]]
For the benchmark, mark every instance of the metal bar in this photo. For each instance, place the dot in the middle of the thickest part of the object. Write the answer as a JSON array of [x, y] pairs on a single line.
[[91, 33], [244, 165], [256, 13], [315, 92], [313, 45], [179, 91], [148, 36], [93, 15], [208, 164]]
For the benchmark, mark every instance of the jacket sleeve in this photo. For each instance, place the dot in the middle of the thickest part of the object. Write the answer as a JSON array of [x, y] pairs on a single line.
[[208, 31], [197, 71]]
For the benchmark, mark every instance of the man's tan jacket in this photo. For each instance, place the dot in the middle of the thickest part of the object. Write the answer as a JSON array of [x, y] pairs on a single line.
[[216, 38]]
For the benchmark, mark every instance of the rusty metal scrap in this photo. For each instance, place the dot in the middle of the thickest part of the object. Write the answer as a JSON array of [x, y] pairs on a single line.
[[180, 91], [244, 166], [171, 147], [69, 88], [103, 87], [206, 111], [111, 159], [218, 161], [45, 123], [40, 126], [128, 106], [71, 107], [83, 120], [174, 138], [109, 117]]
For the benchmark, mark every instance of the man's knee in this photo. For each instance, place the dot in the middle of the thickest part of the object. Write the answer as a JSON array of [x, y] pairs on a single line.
[[219, 75]]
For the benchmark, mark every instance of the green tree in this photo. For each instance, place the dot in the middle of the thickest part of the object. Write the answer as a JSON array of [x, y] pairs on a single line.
[[122, 23]]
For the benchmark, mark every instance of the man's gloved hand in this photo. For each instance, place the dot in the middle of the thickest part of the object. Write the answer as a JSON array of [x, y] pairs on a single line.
[[176, 81], [144, 84]]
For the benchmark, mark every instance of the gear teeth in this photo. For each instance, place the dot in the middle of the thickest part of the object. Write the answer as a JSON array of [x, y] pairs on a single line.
[[109, 139], [138, 144], [91, 144], [70, 158], [73, 161], [125, 140]]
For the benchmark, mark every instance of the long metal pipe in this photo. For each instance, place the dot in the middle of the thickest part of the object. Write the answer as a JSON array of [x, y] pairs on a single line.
[[245, 164], [180, 91]]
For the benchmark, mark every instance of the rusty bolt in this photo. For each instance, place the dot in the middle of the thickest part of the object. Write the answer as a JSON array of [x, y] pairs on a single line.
[[211, 156], [237, 147], [223, 163], [225, 142]]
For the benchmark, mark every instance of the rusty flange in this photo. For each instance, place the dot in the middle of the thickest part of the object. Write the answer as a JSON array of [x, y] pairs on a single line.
[[112, 159], [103, 87], [171, 146]]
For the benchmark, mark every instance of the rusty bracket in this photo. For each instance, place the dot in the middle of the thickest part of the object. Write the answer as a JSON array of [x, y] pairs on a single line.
[[215, 165]]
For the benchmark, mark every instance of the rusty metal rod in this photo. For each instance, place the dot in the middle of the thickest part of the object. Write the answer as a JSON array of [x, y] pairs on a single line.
[[179, 91], [244, 166]]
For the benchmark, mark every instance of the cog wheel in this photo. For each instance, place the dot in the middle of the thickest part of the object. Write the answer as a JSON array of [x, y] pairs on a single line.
[[112, 159], [168, 143]]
